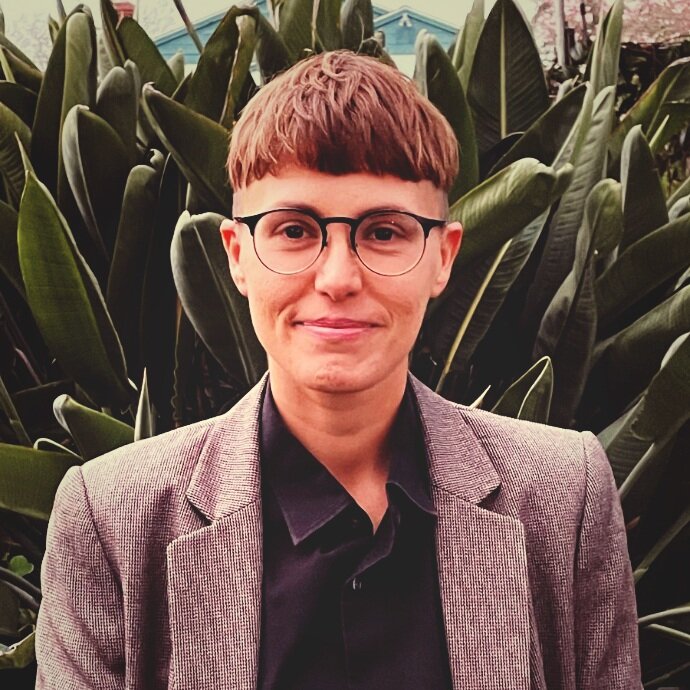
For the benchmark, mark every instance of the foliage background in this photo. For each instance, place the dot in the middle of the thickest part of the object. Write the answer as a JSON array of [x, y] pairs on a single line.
[[569, 303]]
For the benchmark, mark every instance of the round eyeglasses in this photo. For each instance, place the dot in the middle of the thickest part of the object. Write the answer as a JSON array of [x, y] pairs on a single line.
[[390, 243]]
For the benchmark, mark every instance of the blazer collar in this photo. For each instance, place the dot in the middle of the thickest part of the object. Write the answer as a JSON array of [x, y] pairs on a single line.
[[458, 461], [227, 476]]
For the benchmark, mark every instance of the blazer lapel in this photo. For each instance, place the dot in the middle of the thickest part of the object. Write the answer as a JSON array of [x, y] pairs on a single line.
[[214, 573], [482, 559]]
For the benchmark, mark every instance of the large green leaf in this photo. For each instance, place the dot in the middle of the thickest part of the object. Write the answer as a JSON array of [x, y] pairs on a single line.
[[530, 396], [644, 206], [471, 303], [198, 145], [680, 208], [438, 81], [29, 479], [241, 86], [25, 75], [45, 133], [673, 84], [145, 422], [295, 26], [326, 24], [507, 89], [568, 328], [559, 249], [117, 102], [639, 348], [113, 46], [639, 439], [79, 86], [177, 66], [128, 267], [19, 100], [603, 67], [665, 406], [208, 87], [356, 22], [94, 433], [159, 301], [219, 313], [681, 191], [666, 539], [466, 46], [272, 55], [602, 217], [547, 136], [66, 302], [11, 167], [12, 48], [142, 51], [9, 257], [96, 164], [643, 266], [498, 208]]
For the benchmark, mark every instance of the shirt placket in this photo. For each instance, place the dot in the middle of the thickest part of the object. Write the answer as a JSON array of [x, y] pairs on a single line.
[[360, 602]]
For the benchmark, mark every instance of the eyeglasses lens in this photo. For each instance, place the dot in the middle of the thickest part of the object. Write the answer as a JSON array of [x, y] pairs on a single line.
[[386, 243]]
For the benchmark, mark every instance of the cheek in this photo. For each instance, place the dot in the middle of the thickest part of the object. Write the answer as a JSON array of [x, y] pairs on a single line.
[[271, 302]]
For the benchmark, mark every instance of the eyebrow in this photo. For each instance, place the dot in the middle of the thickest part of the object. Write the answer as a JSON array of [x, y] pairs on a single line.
[[301, 206]]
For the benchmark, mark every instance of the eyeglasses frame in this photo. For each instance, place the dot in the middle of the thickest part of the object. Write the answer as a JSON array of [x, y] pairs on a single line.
[[427, 224]]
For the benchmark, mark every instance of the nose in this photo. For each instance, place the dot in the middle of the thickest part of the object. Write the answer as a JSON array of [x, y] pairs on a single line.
[[338, 270]]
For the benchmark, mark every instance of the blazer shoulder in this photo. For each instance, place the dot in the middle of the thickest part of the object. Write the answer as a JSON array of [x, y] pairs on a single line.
[[152, 460], [539, 465]]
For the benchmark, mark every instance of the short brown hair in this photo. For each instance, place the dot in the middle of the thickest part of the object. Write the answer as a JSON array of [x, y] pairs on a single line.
[[338, 112]]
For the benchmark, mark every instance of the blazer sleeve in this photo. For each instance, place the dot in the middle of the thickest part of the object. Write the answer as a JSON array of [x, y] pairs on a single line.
[[607, 647], [80, 629]]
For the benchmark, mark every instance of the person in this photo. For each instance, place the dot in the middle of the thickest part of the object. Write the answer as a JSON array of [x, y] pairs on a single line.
[[342, 526]]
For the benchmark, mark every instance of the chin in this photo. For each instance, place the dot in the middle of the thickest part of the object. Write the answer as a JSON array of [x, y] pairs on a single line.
[[339, 379]]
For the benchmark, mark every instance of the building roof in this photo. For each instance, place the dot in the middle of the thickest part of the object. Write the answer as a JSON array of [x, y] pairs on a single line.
[[644, 21], [400, 26]]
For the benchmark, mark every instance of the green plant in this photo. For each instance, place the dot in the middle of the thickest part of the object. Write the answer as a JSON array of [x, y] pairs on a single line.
[[569, 303]]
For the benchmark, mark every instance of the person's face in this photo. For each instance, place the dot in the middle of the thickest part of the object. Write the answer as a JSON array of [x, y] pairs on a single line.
[[337, 326]]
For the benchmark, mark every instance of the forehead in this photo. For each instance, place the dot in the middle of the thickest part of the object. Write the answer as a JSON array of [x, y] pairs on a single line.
[[329, 195]]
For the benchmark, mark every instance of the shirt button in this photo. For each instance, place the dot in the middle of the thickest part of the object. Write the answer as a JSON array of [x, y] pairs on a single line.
[[356, 584]]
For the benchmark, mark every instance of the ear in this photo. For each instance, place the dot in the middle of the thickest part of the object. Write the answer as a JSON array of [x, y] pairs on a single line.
[[451, 239], [230, 232]]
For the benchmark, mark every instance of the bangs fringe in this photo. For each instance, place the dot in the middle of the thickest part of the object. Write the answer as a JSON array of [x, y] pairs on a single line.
[[341, 113]]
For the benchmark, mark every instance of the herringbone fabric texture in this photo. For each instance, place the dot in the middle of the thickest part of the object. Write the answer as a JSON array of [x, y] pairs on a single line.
[[152, 573]]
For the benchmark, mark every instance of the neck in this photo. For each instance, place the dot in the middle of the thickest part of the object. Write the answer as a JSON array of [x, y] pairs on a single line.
[[347, 432]]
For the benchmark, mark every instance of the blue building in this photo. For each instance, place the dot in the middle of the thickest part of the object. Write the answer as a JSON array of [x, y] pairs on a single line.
[[398, 32]]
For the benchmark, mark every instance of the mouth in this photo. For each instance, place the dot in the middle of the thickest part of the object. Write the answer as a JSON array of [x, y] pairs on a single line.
[[336, 329]]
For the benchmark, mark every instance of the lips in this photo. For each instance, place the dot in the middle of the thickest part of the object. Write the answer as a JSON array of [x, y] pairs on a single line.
[[337, 323], [335, 329]]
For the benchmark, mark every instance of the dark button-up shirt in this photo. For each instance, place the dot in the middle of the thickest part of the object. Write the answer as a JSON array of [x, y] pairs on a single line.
[[344, 607]]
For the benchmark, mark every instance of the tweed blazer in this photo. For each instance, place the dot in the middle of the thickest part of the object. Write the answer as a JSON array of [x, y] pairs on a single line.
[[152, 573]]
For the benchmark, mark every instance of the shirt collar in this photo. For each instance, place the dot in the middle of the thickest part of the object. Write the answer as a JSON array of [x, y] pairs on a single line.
[[309, 496]]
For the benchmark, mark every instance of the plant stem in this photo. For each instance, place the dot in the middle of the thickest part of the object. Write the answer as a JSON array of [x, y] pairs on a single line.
[[26, 599], [190, 27], [8, 576], [13, 416]]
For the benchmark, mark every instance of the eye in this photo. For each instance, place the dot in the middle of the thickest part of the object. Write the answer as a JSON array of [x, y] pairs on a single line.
[[383, 233], [296, 230]]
